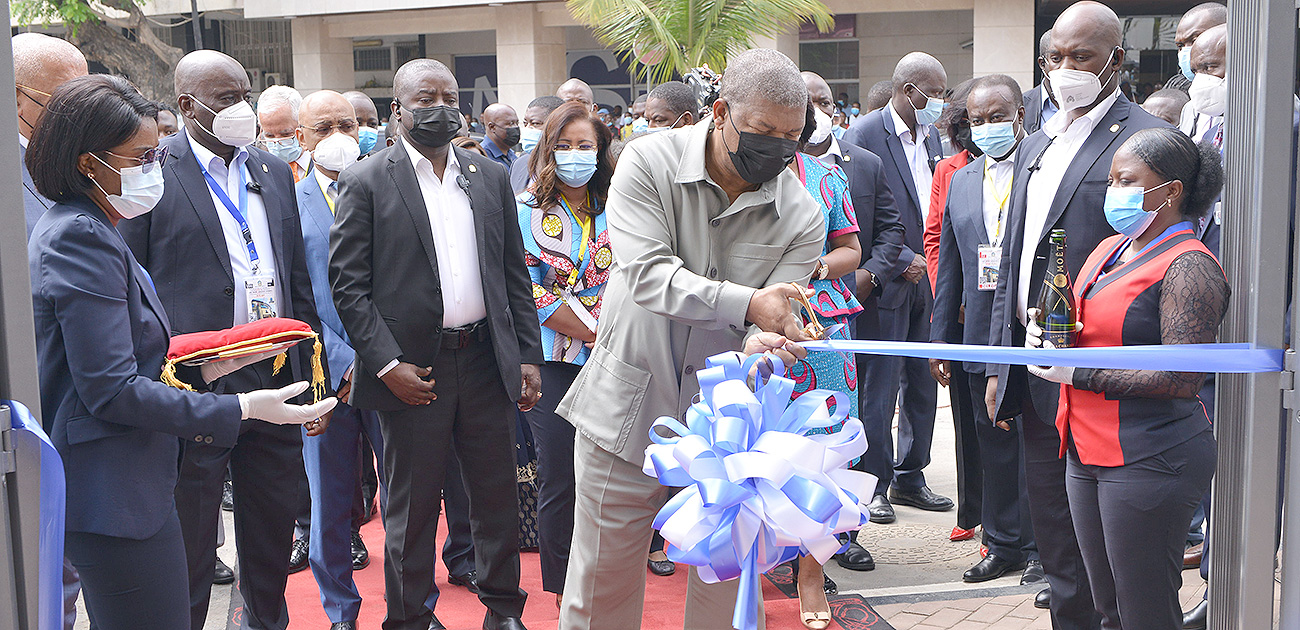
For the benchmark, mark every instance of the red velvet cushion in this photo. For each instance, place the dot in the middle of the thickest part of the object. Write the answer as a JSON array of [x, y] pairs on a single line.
[[267, 331]]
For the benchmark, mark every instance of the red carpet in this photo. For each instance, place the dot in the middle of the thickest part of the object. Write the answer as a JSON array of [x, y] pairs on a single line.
[[459, 609]]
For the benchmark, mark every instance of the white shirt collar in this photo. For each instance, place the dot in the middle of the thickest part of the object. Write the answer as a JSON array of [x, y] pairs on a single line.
[[304, 159], [22, 140], [1059, 125], [901, 128], [834, 149], [453, 166], [322, 179], [206, 157]]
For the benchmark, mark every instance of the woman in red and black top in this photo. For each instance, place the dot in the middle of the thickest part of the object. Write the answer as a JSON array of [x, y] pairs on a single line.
[[1140, 449]]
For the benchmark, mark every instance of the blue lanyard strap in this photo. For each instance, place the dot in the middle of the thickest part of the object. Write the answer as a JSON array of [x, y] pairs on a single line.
[[235, 211]]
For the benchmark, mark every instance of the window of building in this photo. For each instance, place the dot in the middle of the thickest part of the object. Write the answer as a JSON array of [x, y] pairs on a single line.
[[404, 52], [370, 59], [836, 61]]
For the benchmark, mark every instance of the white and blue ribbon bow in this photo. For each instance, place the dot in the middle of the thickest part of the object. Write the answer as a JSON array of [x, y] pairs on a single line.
[[756, 490]]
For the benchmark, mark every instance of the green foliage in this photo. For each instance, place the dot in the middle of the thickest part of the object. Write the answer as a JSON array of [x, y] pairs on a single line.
[[691, 33], [72, 13]]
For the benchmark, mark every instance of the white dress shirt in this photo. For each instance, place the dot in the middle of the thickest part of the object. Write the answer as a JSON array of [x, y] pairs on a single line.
[[832, 152], [454, 240], [325, 182], [918, 159], [255, 214], [1067, 138], [997, 196]]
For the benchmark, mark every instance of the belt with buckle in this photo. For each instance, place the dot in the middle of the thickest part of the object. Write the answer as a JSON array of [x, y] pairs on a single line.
[[461, 336]]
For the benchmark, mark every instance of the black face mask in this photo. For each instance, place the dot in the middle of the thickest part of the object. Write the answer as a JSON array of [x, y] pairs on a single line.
[[512, 137], [758, 158], [433, 126], [965, 142]]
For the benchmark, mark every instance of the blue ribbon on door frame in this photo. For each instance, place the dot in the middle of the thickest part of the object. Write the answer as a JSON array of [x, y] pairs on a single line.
[[1222, 358]]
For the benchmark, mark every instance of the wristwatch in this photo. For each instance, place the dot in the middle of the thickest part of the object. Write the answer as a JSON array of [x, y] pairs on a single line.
[[823, 269]]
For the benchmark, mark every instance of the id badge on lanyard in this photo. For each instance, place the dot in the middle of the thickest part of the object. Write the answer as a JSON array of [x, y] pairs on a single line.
[[259, 291], [990, 258]]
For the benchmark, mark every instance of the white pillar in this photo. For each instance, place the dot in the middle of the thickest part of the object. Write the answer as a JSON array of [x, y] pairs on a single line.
[[530, 55], [320, 62], [787, 43], [1004, 39]]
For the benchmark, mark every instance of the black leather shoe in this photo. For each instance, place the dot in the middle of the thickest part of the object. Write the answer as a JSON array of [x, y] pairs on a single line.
[[468, 580], [990, 568], [921, 498], [298, 555], [829, 585], [855, 558], [1195, 618], [223, 574], [1043, 599], [344, 625], [227, 497], [493, 621], [360, 555], [880, 510], [661, 567], [434, 624], [1033, 573]]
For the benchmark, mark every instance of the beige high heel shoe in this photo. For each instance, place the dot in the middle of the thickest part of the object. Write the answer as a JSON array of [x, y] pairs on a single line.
[[814, 610]]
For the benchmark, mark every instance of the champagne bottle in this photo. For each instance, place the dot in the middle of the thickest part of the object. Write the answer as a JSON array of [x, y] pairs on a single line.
[[1057, 313]]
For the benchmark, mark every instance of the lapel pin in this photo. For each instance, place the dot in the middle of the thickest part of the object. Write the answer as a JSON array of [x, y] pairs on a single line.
[[847, 157], [473, 169], [1114, 128], [264, 169]]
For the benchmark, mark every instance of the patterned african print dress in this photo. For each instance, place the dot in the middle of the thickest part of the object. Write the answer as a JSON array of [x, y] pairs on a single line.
[[568, 258], [833, 301]]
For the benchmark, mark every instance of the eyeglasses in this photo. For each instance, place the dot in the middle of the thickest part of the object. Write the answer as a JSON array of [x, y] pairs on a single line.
[[26, 89], [324, 129], [564, 146], [156, 155]]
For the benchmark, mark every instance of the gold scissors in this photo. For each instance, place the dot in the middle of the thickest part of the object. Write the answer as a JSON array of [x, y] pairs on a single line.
[[811, 327]]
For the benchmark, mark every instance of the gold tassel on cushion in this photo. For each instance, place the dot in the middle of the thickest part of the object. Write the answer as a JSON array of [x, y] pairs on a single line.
[[169, 377], [279, 363], [317, 372]]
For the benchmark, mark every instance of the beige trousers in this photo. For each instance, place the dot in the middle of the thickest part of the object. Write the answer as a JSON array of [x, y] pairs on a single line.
[[613, 522]]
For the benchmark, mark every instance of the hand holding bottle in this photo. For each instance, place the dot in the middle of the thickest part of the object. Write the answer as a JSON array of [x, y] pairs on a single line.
[[1034, 339]]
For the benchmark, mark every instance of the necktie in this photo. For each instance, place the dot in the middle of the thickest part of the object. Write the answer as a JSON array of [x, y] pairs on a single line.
[[332, 192]]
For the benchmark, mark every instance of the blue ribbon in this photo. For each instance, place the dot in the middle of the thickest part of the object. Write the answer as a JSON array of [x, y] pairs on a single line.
[[1223, 358], [51, 517], [756, 491]]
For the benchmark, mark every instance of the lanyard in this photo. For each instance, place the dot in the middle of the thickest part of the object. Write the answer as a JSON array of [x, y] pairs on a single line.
[[235, 211], [582, 247], [1001, 198]]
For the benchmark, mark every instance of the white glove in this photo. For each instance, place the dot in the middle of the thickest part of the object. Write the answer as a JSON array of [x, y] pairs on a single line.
[[269, 405], [216, 369], [1034, 339]]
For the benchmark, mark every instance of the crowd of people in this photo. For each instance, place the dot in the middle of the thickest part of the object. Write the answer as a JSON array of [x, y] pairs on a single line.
[[550, 284]]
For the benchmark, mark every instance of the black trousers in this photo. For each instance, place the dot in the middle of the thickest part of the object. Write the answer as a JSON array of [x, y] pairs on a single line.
[[473, 417], [265, 469], [133, 584], [1004, 509], [1131, 521], [553, 437], [1049, 510], [970, 470], [883, 379]]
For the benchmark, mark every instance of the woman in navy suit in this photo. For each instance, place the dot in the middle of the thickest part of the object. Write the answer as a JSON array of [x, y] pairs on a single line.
[[101, 338]]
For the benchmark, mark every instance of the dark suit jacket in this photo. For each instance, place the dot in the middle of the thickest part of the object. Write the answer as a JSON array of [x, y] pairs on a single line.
[[1033, 102], [34, 204], [101, 338], [875, 133], [957, 277], [384, 271], [1077, 208], [183, 247], [881, 234]]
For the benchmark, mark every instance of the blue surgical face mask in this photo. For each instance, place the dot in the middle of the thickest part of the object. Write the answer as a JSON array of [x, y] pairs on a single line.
[[369, 136], [529, 137], [996, 140], [575, 166], [286, 149], [853, 110], [1124, 210], [1185, 62], [929, 114], [640, 125]]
